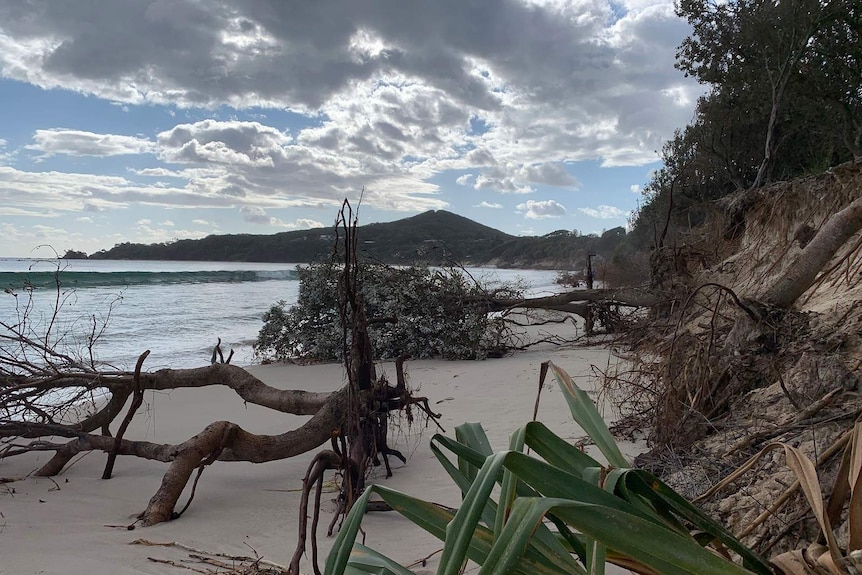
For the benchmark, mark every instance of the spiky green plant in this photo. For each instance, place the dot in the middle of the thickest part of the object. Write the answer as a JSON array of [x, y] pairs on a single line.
[[560, 511]]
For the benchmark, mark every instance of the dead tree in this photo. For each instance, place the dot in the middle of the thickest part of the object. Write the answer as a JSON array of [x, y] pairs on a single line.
[[352, 420]]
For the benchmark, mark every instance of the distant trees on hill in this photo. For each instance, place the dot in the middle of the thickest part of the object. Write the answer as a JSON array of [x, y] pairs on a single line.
[[74, 255], [434, 238]]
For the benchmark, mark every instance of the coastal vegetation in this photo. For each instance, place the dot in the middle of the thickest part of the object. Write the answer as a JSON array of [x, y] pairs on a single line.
[[415, 310], [748, 343], [435, 238], [783, 102]]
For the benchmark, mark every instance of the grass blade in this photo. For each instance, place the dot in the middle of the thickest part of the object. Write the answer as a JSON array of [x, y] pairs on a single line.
[[557, 451], [338, 557], [586, 414], [365, 561], [473, 436]]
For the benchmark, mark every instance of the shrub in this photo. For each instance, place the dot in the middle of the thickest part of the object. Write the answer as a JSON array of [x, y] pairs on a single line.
[[439, 312], [600, 514]]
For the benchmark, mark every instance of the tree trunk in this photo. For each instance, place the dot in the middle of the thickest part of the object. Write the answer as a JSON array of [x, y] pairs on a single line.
[[568, 301], [800, 275]]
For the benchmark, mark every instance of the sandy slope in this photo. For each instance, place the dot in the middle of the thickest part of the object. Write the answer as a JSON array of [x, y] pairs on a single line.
[[241, 506]]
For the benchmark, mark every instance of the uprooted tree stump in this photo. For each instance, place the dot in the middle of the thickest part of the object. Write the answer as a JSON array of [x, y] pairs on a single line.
[[353, 420]]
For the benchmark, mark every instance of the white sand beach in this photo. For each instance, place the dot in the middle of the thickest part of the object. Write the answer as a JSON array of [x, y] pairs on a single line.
[[72, 524]]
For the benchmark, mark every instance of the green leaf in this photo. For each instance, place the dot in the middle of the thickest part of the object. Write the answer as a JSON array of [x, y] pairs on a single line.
[[556, 450], [546, 543], [565, 535], [588, 417], [365, 561], [516, 536], [473, 436], [490, 512], [651, 486], [510, 482], [656, 546], [340, 553], [551, 481], [434, 519], [460, 531]]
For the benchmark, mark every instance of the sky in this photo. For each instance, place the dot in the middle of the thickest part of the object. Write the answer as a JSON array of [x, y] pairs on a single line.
[[156, 120]]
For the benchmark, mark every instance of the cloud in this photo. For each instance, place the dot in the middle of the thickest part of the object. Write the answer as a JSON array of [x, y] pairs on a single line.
[[200, 222], [484, 204], [256, 215], [70, 191], [501, 183], [517, 179], [146, 233], [231, 143], [4, 155], [604, 212], [50, 240], [507, 94], [529, 83], [538, 210], [159, 173], [59, 141], [258, 163], [167, 224], [10, 211], [636, 189], [305, 223]]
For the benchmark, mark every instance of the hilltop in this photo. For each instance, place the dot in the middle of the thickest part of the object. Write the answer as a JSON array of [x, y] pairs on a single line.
[[435, 237]]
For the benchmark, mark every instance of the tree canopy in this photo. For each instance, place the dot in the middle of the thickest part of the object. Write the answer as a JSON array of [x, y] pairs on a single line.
[[784, 100], [418, 311]]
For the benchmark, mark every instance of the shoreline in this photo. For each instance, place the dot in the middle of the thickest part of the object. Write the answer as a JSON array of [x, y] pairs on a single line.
[[76, 525]]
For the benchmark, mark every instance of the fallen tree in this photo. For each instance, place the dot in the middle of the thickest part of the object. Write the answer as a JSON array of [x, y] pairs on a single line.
[[43, 391], [426, 313]]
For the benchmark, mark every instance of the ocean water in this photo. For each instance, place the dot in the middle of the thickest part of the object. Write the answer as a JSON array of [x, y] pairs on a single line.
[[177, 310]]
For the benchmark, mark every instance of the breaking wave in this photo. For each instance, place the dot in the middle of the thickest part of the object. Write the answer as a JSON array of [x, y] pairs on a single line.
[[71, 279]]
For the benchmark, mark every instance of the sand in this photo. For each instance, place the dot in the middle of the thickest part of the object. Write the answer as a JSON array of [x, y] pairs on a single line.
[[68, 524]]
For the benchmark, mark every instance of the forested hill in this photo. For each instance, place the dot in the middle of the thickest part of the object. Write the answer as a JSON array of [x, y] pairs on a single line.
[[434, 237]]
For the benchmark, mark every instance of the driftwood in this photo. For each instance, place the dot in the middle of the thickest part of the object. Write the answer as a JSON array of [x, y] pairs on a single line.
[[575, 301], [353, 420]]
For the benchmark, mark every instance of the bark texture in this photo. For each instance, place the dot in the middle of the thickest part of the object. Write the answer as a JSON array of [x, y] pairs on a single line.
[[574, 301], [803, 271]]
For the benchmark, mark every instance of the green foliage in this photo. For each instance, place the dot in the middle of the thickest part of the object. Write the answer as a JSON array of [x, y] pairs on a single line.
[[438, 238], [600, 513], [800, 60], [557, 249], [74, 255], [439, 313]]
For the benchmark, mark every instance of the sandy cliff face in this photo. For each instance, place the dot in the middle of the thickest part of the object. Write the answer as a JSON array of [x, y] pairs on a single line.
[[736, 367]]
